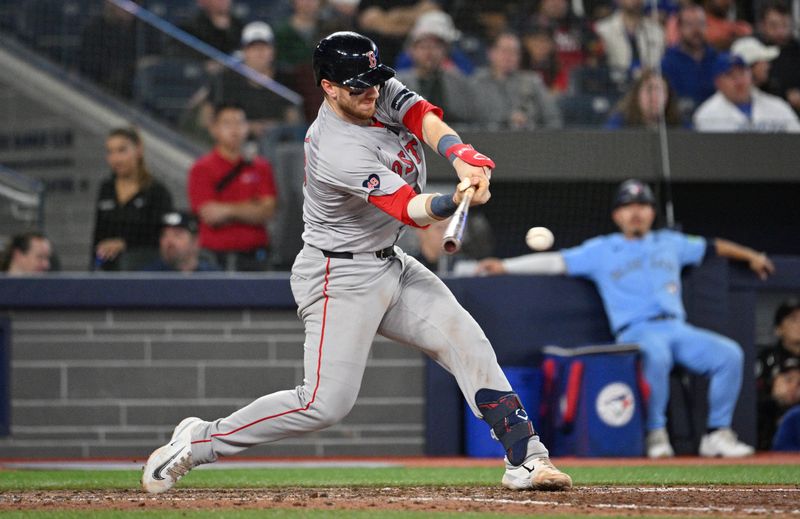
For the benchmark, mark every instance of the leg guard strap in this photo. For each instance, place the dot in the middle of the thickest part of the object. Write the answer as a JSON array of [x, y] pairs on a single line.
[[504, 413]]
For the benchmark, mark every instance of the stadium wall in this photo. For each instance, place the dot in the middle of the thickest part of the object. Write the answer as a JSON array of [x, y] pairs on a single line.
[[105, 366]]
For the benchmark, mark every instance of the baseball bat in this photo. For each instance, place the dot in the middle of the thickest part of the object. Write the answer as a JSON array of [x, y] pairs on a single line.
[[451, 241]]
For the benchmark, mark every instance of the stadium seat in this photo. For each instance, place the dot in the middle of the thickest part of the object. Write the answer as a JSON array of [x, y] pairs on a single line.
[[164, 85]]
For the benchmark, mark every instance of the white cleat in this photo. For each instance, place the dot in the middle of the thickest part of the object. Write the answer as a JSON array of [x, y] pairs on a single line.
[[658, 445], [535, 474], [724, 443], [169, 463]]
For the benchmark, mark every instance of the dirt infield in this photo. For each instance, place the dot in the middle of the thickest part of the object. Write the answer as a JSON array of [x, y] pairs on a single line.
[[672, 501]]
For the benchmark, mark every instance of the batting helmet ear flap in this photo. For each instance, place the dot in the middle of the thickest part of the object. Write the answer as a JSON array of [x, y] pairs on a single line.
[[349, 59]]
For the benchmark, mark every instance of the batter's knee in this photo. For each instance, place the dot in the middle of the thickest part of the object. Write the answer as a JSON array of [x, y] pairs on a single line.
[[331, 407]]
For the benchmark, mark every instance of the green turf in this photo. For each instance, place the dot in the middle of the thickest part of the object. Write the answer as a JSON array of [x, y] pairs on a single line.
[[398, 476]]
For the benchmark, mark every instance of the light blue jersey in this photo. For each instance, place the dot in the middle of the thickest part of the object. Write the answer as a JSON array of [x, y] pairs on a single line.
[[637, 279]]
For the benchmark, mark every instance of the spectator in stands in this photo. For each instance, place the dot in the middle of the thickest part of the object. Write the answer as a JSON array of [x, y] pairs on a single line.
[[233, 194], [776, 27], [787, 437], [738, 106], [438, 22], [339, 15], [572, 35], [638, 275], [481, 22], [27, 253], [265, 110], [722, 27], [111, 43], [687, 66], [178, 248], [778, 372], [541, 57], [631, 41], [433, 77], [592, 10], [649, 99], [130, 205], [215, 24], [389, 22], [757, 56], [297, 36], [510, 97]]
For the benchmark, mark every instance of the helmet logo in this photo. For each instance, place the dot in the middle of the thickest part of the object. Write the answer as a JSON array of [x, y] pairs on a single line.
[[373, 61]]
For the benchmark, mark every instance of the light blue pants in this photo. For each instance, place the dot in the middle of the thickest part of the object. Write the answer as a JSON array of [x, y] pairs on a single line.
[[669, 342]]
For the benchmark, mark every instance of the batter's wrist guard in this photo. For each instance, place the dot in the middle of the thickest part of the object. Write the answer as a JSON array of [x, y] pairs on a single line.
[[468, 154], [510, 424], [443, 206]]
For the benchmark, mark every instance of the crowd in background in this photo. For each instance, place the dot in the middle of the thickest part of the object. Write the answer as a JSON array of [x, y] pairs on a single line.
[[532, 64]]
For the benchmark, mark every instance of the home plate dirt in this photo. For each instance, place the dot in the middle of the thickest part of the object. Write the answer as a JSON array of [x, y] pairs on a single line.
[[705, 501]]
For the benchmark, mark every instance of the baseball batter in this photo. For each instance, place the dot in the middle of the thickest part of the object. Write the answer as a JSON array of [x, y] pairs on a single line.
[[364, 180], [638, 275]]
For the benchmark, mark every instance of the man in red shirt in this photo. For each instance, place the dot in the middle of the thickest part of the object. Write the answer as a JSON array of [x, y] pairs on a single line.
[[233, 195]]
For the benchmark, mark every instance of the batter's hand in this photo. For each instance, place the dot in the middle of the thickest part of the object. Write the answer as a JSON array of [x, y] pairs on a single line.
[[490, 266], [762, 265], [478, 176]]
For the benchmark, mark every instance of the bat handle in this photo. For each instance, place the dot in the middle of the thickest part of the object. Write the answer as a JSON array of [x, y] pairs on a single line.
[[451, 241]]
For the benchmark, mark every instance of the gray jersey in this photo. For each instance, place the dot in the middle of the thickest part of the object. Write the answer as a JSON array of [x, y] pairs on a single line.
[[346, 163]]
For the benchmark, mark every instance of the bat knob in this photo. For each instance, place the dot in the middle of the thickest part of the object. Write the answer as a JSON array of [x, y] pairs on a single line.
[[451, 245]]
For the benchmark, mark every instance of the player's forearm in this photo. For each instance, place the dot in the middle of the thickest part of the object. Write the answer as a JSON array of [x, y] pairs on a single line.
[[433, 129], [734, 251], [545, 263], [253, 212]]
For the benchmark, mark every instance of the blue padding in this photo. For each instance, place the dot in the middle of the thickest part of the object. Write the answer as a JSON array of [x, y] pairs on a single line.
[[148, 291]]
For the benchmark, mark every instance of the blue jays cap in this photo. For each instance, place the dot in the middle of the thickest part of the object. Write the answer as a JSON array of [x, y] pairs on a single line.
[[633, 191], [725, 62], [180, 219]]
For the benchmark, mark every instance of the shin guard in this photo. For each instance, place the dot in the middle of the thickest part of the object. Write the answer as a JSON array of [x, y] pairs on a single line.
[[510, 424]]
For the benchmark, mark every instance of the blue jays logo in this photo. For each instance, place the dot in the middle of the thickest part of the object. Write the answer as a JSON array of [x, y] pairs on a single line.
[[372, 182], [615, 404], [635, 189]]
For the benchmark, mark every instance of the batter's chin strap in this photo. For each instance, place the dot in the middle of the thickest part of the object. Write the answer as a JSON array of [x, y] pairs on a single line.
[[510, 424]]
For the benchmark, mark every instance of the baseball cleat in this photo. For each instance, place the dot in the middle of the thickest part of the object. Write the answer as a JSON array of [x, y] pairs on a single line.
[[724, 443], [658, 445], [169, 463], [535, 474]]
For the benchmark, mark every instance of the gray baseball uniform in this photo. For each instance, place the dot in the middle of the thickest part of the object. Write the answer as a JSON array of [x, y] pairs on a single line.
[[346, 293]]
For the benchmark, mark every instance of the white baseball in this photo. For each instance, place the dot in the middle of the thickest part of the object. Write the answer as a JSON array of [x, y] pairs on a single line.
[[539, 238]]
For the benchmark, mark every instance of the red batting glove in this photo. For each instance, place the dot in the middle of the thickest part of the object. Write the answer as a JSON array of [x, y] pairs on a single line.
[[468, 154]]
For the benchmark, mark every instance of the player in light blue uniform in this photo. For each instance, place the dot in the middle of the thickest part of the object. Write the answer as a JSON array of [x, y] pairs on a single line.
[[637, 272]]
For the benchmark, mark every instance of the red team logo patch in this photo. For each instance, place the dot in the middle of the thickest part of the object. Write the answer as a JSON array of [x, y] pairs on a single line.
[[373, 61]]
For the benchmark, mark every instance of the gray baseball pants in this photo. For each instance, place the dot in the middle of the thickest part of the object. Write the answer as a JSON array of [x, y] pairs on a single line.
[[344, 303]]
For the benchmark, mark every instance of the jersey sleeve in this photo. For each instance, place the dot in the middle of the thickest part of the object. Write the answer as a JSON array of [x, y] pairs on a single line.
[[395, 102], [691, 249], [584, 259], [358, 171]]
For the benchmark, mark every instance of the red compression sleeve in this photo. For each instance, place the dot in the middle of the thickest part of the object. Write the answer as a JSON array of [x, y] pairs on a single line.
[[413, 118], [396, 204]]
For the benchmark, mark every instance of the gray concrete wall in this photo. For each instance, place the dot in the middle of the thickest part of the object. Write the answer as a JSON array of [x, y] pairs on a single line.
[[113, 383]]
